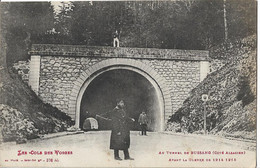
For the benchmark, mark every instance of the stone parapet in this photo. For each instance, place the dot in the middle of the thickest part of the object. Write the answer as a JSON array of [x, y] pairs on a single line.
[[118, 52]]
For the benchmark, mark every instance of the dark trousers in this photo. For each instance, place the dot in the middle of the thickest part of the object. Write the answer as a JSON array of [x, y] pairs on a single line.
[[143, 128], [126, 153]]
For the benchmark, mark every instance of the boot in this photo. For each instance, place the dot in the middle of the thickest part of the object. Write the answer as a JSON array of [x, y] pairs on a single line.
[[116, 155], [127, 157]]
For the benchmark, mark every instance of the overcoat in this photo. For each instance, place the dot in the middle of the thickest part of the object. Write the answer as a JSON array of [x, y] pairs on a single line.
[[120, 134]]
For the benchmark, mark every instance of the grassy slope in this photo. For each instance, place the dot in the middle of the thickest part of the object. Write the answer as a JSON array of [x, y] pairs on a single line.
[[18, 95]]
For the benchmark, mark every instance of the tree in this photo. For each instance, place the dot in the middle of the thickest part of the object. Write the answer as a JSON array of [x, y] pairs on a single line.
[[241, 18], [93, 23], [25, 23], [62, 24], [185, 24], [205, 24], [3, 44]]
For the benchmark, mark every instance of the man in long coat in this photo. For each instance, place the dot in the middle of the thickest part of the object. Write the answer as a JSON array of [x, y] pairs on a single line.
[[120, 135]]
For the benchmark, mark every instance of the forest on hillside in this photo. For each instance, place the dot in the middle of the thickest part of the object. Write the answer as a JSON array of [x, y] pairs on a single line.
[[188, 24]]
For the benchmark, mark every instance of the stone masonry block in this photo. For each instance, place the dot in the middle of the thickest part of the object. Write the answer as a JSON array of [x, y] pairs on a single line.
[[116, 60], [72, 99], [102, 64], [155, 75], [83, 78], [137, 63], [78, 82], [72, 105], [88, 72], [149, 70], [140, 64], [97, 67], [111, 62], [167, 96], [168, 101], [124, 61], [131, 62], [84, 74], [75, 91], [90, 69], [166, 91], [168, 108]]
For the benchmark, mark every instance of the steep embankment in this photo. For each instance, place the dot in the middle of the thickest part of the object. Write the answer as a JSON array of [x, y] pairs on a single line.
[[231, 109], [22, 114]]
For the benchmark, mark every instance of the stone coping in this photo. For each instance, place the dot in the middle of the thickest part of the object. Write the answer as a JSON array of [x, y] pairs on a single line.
[[118, 52]]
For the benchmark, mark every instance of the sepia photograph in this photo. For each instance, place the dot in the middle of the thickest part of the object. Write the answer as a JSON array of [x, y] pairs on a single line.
[[166, 83]]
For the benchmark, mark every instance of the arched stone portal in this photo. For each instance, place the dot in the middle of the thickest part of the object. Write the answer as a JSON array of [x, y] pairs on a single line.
[[159, 83]]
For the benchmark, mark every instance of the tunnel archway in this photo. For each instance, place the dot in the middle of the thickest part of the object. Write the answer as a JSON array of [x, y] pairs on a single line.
[[86, 77], [137, 92]]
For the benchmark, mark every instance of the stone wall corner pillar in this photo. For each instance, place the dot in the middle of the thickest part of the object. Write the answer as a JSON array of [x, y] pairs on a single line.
[[204, 70], [34, 75]]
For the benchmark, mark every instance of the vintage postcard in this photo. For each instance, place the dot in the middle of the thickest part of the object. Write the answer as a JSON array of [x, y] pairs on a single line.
[[128, 84]]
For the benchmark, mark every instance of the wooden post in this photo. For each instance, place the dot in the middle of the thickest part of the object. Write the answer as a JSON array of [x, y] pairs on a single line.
[[205, 119], [204, 98], [225, 20]]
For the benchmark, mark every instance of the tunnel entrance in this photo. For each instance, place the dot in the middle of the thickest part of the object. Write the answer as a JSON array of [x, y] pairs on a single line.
[[138, 93]]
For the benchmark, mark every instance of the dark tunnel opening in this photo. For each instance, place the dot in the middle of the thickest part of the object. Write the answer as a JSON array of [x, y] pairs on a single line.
[[137, 92]]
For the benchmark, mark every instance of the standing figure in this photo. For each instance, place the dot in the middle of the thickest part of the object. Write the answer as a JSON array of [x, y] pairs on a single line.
[[120, 135], [116, 39], [143, 120]]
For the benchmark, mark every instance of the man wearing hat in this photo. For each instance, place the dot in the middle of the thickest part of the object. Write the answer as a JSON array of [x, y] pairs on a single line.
[[143, 120], [120, 135]]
